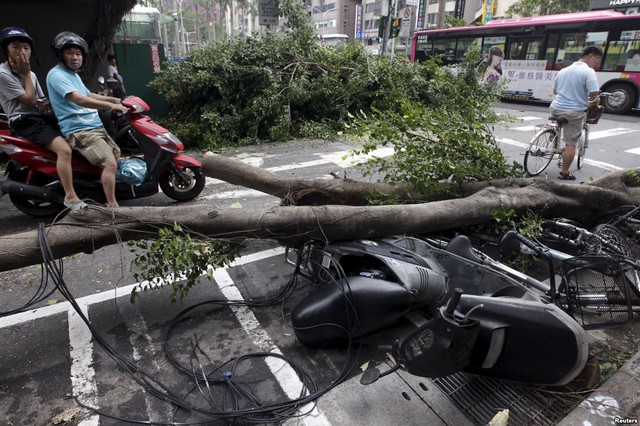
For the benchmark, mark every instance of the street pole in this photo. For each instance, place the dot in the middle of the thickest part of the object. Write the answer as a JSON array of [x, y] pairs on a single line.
[[393, 42], [176, 31], [387, 31]]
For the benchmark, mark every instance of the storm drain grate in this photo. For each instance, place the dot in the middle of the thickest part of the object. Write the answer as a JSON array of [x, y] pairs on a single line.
[[480, 398]]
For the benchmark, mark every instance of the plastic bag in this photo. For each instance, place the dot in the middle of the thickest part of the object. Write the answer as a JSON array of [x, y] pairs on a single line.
[[131, 170]]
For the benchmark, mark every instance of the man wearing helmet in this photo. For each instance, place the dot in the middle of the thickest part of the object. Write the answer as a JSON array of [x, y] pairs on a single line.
[[21, 97], [76, 109]]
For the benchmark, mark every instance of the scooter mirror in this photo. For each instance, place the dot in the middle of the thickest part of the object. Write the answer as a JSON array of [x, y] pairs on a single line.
[[101, 80], [370, 376], [509, 244]]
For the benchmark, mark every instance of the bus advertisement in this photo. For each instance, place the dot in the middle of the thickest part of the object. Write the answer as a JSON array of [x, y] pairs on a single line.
[[526, 53]]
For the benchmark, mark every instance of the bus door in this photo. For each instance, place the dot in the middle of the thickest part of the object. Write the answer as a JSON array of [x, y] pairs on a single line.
[[524, 48]]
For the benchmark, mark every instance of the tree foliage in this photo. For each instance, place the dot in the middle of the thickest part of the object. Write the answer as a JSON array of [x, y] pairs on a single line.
[[546, 7], [278, 86], [451, 141]]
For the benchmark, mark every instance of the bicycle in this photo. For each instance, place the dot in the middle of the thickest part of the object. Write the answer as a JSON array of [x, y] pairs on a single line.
[[545, 144], [605, 239]]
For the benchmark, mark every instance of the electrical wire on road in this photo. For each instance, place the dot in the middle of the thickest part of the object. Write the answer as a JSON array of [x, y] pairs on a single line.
[[234, 400]]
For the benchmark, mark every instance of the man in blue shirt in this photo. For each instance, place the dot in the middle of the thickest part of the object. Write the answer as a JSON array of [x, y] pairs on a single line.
[[76, 109], [576, 88]]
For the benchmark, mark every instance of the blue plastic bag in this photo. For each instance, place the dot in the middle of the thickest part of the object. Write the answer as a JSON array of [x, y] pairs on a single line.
[[131, 170]]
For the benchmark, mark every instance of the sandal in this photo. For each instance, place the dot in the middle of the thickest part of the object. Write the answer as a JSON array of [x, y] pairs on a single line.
[[75, 206], [567, 176]]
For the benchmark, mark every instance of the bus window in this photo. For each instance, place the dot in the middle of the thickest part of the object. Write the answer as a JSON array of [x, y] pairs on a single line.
[[446, 48], [463, 46], [424, 48], [533, 49], [571, 46], [622, 55], [489, 42], [552, 47], [516, 50]]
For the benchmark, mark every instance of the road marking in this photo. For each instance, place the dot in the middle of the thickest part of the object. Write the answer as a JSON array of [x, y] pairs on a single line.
[[104, 296], [512, 142], [529, 118], [283, 372], [634, 151], [83, 376], [524, 128], [609, 132], [599, 164]]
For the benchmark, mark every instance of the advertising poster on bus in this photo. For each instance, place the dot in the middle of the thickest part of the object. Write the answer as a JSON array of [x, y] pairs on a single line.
[[526, 77]]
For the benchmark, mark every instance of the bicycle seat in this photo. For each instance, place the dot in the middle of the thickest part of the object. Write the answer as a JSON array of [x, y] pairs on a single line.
[[559, 120]]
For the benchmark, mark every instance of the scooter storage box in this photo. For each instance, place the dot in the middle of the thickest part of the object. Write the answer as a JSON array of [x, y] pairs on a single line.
[[355, 304]]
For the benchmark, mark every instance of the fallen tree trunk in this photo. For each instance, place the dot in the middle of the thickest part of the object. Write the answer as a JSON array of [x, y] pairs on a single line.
[[91, 229], [296, 191]]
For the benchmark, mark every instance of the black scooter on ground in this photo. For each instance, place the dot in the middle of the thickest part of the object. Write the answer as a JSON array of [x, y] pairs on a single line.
[[479, 320]]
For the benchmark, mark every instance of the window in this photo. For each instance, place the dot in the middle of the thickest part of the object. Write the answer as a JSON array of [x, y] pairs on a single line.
[[552, 48], [571, 46], [622, 55], [490, 42], [446, 48], [463, 46]]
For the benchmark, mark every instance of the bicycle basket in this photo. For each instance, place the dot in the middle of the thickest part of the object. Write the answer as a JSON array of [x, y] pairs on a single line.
[[594, 114], [597, 291]]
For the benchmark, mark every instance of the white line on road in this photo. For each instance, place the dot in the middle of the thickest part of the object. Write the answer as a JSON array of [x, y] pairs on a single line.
[[83, 376], [282, 371], [600, 164], [609, 132], [528, 118], [524, 128]]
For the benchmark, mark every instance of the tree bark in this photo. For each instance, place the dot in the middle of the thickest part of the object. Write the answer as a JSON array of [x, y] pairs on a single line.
[[90, 229]]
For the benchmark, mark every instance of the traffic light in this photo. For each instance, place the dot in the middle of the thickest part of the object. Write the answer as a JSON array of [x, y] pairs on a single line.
[[396, 23]]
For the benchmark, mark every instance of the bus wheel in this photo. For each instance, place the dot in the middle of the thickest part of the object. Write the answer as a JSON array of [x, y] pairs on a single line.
[[621, 100]]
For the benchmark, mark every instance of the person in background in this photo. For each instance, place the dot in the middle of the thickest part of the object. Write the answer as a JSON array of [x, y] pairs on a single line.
[[118, 89], [21, 98], [76, 109], [575, 88]]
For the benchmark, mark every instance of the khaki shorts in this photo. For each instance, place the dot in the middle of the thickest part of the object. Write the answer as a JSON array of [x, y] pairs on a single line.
[[95, 145], [573, 129]]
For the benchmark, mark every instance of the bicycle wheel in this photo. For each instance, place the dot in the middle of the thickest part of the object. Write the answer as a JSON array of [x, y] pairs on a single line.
[[540, 151], [583, 144], [612, 241]]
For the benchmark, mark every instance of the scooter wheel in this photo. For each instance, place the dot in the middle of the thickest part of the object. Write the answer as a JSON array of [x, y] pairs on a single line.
[[185, 187], [33, 206]]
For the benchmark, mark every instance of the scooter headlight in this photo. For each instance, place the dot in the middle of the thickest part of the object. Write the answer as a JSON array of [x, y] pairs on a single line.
[[10, 149], [168, 140]]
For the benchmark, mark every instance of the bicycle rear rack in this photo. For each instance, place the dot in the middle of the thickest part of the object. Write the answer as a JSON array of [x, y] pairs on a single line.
[[600, 291]]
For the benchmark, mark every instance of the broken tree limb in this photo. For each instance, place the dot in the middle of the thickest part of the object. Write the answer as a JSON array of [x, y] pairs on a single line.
[[90, 229], [622, 185]]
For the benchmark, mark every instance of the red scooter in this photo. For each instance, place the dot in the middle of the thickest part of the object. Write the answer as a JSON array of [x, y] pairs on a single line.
[[32, 182]]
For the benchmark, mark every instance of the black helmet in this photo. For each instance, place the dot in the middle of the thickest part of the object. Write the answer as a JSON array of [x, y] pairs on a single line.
[[13, 33], [68, 39]]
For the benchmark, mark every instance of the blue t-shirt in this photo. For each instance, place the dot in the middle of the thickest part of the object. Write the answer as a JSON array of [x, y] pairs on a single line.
[[573, 85], [71, 116]]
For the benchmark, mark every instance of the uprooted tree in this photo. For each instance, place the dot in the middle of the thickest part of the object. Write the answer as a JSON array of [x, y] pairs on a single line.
[[88, 230], [446, 171]]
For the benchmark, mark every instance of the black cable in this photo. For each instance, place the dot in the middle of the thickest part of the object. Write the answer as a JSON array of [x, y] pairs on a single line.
[[256, 413]]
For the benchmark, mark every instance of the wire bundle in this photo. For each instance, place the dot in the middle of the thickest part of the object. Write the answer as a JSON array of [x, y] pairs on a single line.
[[225, 396]]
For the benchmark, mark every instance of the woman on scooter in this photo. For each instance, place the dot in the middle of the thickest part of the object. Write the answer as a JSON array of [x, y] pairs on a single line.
[[76, 109], [21, 97]]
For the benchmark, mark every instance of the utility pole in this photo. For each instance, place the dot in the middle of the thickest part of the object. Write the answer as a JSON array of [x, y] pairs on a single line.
[[176, 30], [441, 8], [387, 30]]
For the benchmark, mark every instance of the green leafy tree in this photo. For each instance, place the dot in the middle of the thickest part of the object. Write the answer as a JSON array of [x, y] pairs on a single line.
[[546, 7]]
